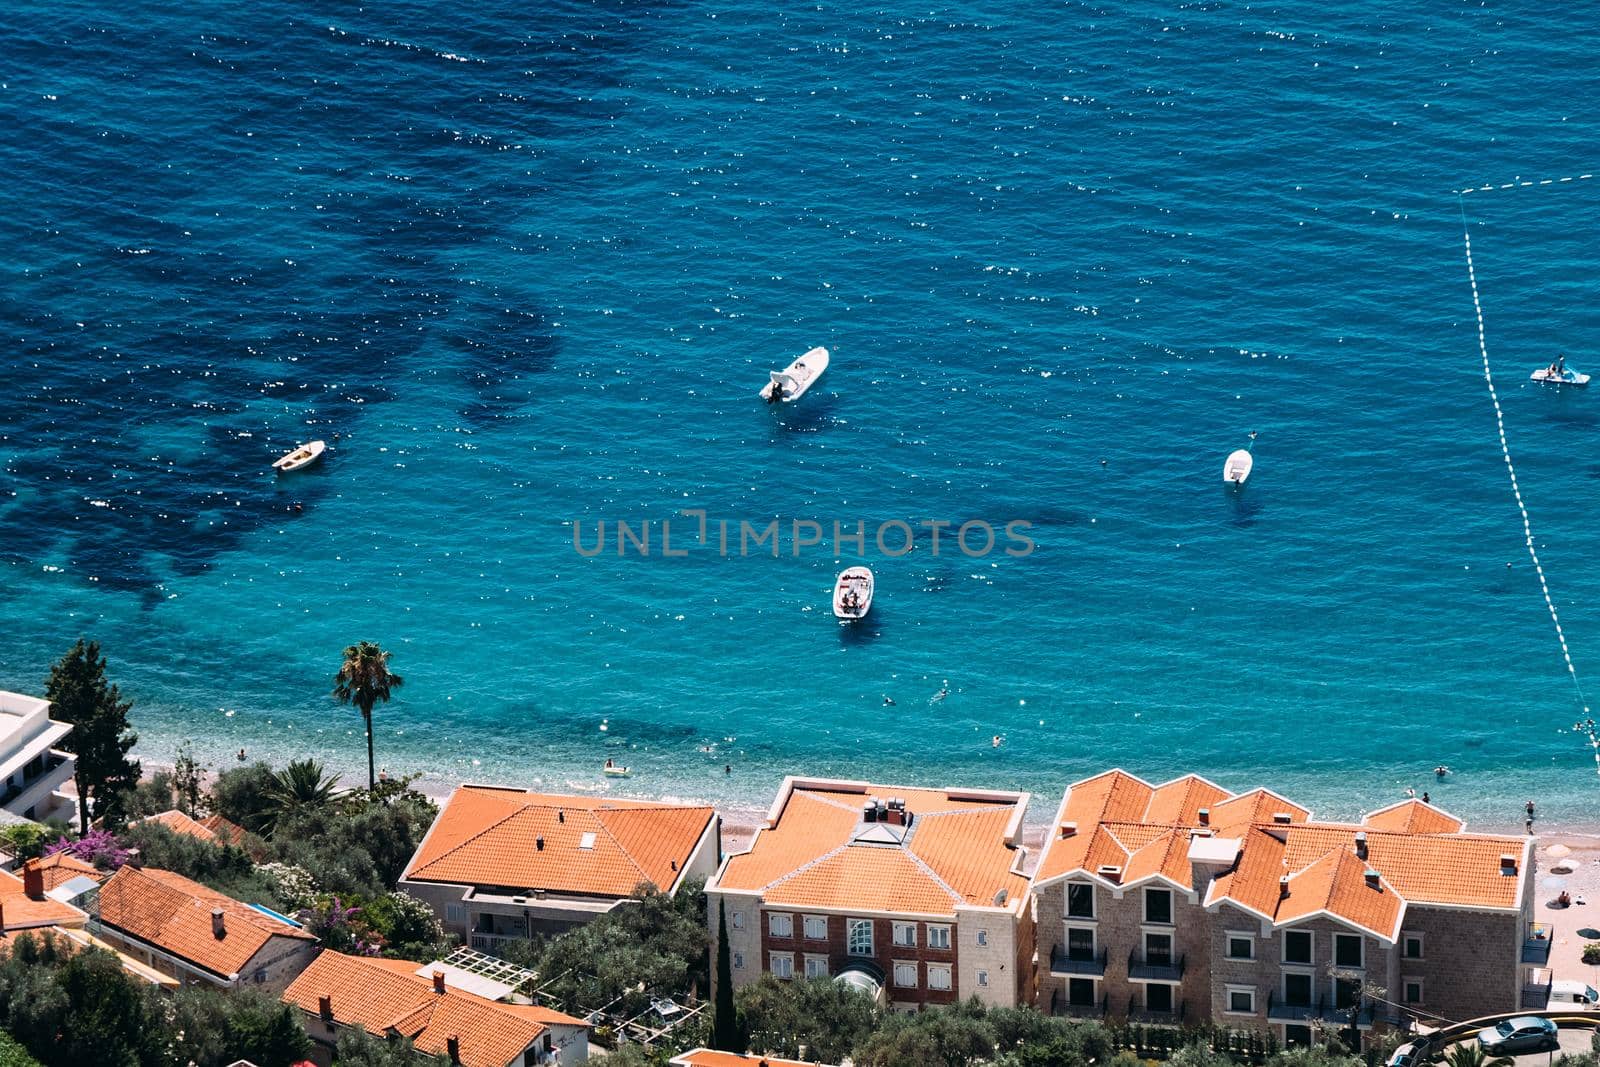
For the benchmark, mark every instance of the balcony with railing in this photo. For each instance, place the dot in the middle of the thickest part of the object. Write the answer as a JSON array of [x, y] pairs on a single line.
[[1172, 1015], [1094, 1009], [1536, 944], [1155, 966], [1295, 1011], [1067, 961], [491, 942]]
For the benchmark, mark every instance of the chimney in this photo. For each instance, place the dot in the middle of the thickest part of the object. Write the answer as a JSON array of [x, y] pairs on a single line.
[[438, 982], [452, 1047], [538, 843], [1205, 816], [325, 1007], [869, 812], [1282, 818], [2, 918], [1372, 879], [561, 816], [218, 928], [1508, 863], [33, 881], [1069, 829], [674, 864], [1361, 843], [1283, 887]]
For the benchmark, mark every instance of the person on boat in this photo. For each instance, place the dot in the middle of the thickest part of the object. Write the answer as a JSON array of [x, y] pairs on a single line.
[[777, 392], [1561, 366], [610, 764], [1440, 771]]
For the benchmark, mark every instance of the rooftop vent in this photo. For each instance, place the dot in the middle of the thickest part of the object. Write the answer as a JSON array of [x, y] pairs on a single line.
[[1372, 878], [438, 982], [869, 812], [1110, 871], [1205, 816], [538, 843], [1508, 863], [1283, 887], [673, 864], [452, 1048], [1283, 818], [1361, 843], [325, 1007], [561, 816], [586, 841], [1000, 899], [218, 926], [1069, 829]]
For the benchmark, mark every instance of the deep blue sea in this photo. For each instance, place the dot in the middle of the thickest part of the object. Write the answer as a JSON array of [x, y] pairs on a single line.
[[526, 266]]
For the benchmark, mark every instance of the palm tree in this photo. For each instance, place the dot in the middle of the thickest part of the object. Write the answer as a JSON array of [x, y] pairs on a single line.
[[1471, 1054], [364, 680], [299, 786]]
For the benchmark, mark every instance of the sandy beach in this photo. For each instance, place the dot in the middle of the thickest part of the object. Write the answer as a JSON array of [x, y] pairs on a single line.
[[1578, 924]]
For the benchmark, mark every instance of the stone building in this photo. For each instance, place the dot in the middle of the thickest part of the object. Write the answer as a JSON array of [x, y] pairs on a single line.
[[1185, 903], [502, 864], [917, 896]]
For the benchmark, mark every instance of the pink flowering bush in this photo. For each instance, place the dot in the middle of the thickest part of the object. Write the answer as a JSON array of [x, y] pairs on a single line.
[[99, 847]]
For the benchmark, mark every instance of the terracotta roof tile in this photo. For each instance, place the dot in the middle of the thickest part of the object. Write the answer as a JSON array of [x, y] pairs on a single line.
[[1414, 817], [179, 823], [174, 914], [956, 853], [61, 868], [1337, 884], [491, 837], [380, 994], [705, 1057], [1178, 802], [21, 912], [1166, 855]]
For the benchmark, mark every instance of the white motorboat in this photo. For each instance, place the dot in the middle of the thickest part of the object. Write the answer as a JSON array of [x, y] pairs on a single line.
[[303, 456], [1237, 469], [614, 770], [791, 383], [852, 593], [1559, 374]]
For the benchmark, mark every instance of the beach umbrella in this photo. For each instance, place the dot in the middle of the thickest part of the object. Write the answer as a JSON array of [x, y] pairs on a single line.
[[1557, 851], [1590, 932], [1552, 882]]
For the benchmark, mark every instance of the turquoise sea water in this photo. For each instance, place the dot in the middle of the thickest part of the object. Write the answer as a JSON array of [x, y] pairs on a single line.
[[527, 265]]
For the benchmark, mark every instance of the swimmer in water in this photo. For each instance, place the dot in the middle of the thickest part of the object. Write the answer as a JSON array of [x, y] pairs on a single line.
[[888, 701], [999, 739]]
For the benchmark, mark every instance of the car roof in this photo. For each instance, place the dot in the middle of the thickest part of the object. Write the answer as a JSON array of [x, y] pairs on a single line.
[[1520, 1021]]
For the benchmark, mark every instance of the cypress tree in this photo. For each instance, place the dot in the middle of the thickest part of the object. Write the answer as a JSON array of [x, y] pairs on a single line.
[[100, 739], [725, 1030]]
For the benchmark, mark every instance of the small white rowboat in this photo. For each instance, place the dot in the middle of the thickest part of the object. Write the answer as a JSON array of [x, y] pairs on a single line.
[[1237, 469], [303, 456]]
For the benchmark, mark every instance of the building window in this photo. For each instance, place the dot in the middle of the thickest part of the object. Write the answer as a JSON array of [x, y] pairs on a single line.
[[1080, 901], [1412, 949], [1158, 997], [1297, 990], [1158, 906], [738, 961], [1080, 943], [859, 941], [905, 935], [1241, 947], [1346, 993], [983, 978], [938, 937], [816, 966], [1295, 1036], [983, 937], [1297, 946], [738, 920], [1158, 950], [905, 975], [455, 913], [780, 925], [1241, 1000], [782, 965], [1413, 991], [1347, 950], [816, 927], [938, 976], [1080, 992]]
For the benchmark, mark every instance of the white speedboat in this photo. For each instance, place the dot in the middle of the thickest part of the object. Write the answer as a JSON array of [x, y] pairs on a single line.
[[791, 382], [304, 456], [1557, 374], [614, 770], [852, 593], [1237, 469]]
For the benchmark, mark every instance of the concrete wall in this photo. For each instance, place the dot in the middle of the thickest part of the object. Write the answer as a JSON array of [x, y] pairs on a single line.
[[1000, 956]]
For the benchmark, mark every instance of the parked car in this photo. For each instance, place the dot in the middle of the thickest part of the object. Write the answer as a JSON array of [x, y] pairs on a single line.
[[1581, 994], [1413, 1053], [1525, 1033]]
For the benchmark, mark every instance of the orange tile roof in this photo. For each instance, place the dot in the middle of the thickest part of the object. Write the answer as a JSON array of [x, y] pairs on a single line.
[[1418, 851], [957, 852], [179, 823], [490, 837], [18, 911], [383, 994], [1414, 817], [229, 833], [174, 914], [61, 868], [705, 1057]]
